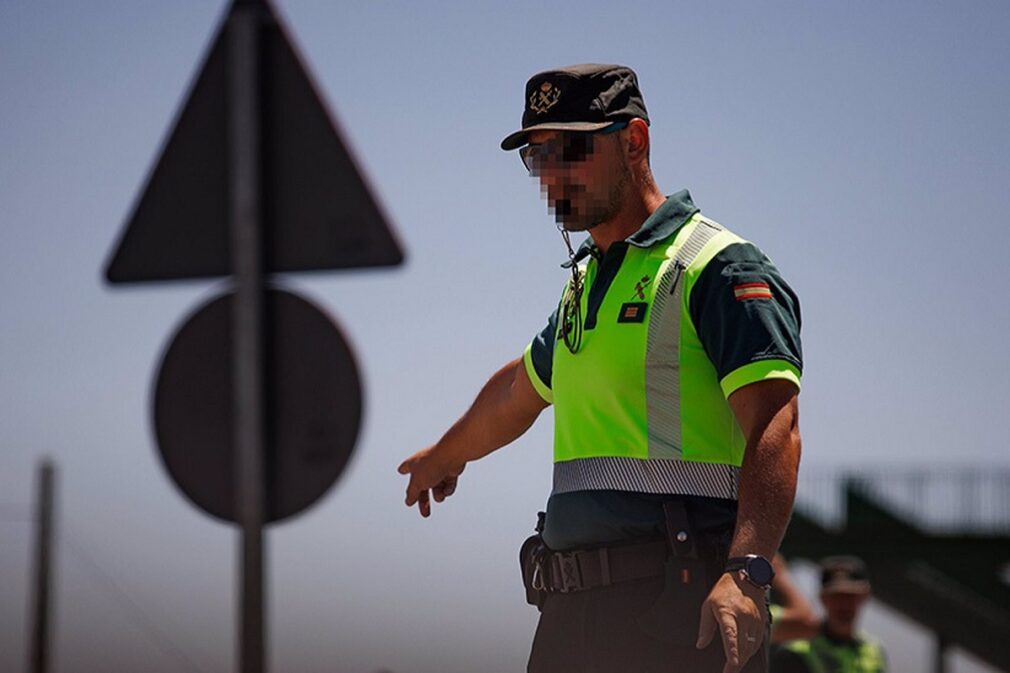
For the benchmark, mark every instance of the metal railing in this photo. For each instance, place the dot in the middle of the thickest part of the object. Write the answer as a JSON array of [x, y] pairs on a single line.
[[938, 500]]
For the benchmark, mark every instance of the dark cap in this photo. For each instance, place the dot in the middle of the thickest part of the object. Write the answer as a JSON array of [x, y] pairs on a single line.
[[844, 574], [583, 97]]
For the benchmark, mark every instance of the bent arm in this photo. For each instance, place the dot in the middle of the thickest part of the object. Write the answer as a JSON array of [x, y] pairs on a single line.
[[768, 414]]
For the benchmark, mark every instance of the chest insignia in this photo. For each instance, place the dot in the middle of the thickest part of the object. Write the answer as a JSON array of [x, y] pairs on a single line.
[[632, 311], [640, 287]]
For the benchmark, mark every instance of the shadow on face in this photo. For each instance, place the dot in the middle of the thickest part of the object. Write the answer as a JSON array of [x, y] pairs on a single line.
[[843, 607], [582, 176]]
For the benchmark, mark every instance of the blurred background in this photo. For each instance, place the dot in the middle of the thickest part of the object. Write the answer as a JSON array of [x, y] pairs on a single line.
[[864, 146]]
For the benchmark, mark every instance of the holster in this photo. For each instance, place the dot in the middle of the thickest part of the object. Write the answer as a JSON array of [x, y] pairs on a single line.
[[531, 564]]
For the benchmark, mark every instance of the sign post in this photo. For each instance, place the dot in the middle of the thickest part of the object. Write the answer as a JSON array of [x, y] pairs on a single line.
[[246, 245], [39, 655]]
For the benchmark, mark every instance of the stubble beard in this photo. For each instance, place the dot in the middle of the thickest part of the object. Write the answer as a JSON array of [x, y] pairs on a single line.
[[600, 212]]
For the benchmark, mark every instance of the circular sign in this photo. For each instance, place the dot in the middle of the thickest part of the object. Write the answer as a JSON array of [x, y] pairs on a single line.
[[312, 406]]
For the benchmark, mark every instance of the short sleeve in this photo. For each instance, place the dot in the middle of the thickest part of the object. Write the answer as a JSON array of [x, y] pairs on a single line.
[[538, 358], [747, 318]]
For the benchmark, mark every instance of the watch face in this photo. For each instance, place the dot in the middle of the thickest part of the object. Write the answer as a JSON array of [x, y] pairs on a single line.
[[759, 570]]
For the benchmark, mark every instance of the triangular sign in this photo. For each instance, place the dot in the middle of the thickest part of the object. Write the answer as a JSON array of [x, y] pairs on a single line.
[[318, 213]]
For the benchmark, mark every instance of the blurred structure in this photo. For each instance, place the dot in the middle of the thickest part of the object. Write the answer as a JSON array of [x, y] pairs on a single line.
[[39, 650], [936, 543]]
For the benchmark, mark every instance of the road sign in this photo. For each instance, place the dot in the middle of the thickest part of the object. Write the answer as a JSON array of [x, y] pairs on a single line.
[[254, 179], [319, 213], [313, 401]]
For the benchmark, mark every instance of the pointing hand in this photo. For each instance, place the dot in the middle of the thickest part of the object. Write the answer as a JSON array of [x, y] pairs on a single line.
[[430, 474]]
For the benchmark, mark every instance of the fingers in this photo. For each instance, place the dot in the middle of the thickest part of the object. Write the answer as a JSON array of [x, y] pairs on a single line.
[[706, 628], [730, 642], [444, 489], [741, 640], [749, 645], [413, 486], [422, 473], [413, 492], [727, 630]]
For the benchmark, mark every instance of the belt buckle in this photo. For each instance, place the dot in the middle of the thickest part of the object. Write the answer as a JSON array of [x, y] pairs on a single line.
[[568, 573]]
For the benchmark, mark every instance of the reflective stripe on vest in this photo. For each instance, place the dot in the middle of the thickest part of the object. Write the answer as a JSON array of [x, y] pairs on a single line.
[[663, 469], [662, 356]]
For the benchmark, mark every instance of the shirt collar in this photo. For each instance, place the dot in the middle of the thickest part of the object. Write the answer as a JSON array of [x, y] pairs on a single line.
[[668, 218]]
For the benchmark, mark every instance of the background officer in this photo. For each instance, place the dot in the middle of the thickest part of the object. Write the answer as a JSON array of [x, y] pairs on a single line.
[[673, 363], [839, 647]]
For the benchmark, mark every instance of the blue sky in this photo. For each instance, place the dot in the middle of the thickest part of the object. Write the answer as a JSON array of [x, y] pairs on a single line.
[[864, 146]]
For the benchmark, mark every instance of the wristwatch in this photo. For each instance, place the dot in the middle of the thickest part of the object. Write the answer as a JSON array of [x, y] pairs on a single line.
[[755, 569]]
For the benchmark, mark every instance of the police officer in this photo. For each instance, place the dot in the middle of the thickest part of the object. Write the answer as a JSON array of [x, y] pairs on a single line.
[[673, 363], [839, 647]]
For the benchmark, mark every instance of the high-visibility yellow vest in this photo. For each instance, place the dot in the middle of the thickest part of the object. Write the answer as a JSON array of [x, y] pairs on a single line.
[[824, 656], [640, 407]]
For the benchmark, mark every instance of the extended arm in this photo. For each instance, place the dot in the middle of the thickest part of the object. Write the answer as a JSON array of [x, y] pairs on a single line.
[[504, 409]]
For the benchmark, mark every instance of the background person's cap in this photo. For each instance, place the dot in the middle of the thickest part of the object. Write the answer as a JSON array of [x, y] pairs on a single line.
[[844, 574], [583, 97]]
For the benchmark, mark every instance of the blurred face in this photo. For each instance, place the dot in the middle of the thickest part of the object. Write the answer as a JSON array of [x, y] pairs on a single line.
[[583, 176], [843, 607]]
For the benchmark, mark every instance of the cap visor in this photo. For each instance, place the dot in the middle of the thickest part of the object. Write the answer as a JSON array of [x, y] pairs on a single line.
[[518, 139]]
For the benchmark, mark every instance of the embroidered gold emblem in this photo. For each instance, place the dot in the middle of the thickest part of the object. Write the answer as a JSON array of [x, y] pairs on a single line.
[[543, 100]]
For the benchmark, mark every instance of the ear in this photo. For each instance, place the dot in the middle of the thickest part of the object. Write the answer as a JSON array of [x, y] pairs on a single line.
[[638, 140]]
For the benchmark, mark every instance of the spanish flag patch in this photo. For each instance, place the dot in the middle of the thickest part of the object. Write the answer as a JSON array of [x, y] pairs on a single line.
[[752, 291]]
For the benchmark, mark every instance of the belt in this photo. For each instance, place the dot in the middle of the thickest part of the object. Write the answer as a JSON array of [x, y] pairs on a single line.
[[583, 569]]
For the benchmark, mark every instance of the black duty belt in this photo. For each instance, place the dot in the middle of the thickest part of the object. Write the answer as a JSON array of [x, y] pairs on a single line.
[[583, 569]]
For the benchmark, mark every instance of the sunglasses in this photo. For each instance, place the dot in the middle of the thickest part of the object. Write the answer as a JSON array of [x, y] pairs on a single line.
[[568, 148]]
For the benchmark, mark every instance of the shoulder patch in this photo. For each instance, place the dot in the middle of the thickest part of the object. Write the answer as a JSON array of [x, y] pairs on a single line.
[[745, 291]]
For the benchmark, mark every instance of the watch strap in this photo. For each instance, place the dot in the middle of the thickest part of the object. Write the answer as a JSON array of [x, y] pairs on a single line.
[[736, 563]]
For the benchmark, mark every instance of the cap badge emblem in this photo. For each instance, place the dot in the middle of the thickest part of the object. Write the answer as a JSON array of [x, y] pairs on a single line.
[[544, 98]]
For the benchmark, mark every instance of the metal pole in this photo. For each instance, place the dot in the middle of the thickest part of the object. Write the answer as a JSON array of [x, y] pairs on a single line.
[[246, 238], [38, 661], [940, 654]]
